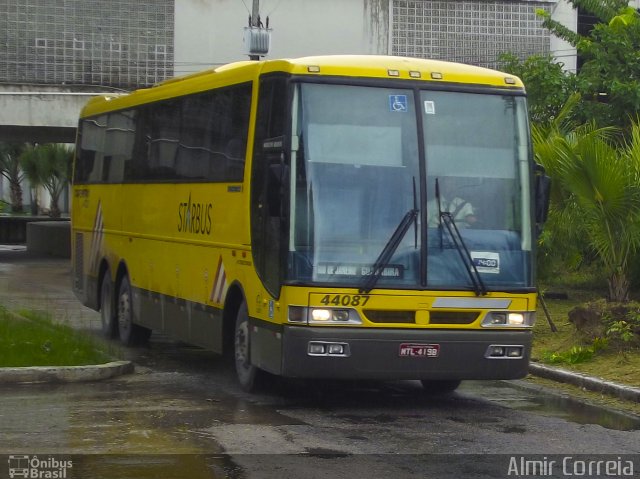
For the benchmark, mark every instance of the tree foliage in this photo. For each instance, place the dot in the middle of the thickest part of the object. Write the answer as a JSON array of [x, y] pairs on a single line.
[[548, 85], [49, 166], [10, 168], [597, 194], [609, 80]]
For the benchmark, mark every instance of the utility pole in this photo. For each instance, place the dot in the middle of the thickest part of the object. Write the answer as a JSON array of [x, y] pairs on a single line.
[[255, 22], [257, 38]]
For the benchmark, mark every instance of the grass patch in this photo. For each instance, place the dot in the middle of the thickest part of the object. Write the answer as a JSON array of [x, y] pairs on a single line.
[[32, 339], [573, 351]]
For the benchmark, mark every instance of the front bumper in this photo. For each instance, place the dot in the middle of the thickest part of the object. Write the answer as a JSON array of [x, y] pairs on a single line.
[[374, 353]]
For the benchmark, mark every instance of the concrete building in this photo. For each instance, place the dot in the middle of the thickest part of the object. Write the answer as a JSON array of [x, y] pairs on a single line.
[[55, 53], [471, 31], [124, 44]]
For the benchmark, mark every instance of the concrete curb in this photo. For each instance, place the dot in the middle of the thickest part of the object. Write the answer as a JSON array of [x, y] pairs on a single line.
[[65, 374], [590, 383]]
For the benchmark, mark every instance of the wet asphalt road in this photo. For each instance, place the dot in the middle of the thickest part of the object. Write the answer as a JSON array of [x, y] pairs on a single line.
[[182, 415]]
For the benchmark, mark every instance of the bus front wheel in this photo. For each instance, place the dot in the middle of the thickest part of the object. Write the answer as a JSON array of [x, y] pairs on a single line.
[[107, 310], [130, 333], [249, 376]]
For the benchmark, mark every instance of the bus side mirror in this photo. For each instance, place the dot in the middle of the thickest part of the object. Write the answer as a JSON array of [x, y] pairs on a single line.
[[542, 195]]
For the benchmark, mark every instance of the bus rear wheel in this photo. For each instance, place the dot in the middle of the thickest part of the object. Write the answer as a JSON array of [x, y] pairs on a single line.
[[440, 387], [107, 307], [130, 333], [249, 376]]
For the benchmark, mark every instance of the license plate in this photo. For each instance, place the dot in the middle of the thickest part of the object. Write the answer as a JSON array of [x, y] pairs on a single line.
[[410, 350]]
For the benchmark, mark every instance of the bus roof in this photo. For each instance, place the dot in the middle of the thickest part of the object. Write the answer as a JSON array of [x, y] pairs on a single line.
[[352, 66]]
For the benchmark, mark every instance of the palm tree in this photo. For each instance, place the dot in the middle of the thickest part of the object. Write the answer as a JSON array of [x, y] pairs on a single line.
[[11, 170], [562, 240], [49, 166], [600, 185]]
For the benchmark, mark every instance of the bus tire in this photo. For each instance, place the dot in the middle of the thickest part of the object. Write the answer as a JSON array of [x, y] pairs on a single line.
[[249, 376], [130, 333], [108, 316], [440, 387]]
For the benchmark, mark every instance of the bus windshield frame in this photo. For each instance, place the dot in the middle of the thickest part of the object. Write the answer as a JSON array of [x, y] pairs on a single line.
[[365, 155]]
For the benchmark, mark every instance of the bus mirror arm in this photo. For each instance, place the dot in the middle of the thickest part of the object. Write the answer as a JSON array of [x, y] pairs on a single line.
[[542, 195]]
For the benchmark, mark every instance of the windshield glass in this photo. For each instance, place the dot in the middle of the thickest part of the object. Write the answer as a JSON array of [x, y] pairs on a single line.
[[354, 169], [356, 178], [477, 152]]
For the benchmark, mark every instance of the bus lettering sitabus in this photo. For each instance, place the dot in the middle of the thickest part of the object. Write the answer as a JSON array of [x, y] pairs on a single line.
[[299, 213]]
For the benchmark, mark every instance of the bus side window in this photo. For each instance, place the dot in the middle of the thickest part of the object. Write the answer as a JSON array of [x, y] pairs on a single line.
[[91, 151]]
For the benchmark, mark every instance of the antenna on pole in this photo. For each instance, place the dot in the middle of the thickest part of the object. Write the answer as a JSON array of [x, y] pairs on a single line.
[[257, 38]]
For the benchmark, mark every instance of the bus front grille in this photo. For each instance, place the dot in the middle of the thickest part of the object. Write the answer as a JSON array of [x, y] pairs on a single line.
[[398, 317], [452, 317], [409, 317]]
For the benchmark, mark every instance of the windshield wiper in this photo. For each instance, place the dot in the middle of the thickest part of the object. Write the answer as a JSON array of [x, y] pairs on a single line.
[[446, 219], [390, 248], [387, 252]]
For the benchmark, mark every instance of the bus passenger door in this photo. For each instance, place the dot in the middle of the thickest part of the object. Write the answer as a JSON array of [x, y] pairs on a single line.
[[269, 184]]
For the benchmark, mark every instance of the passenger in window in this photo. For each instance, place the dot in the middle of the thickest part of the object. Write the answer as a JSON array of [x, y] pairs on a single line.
[[462, 211]]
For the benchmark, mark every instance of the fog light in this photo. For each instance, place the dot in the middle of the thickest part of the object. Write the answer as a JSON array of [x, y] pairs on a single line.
[[514, 352], [321, 314], [505, 351], [321, 348], [336, 349], [317, 349], [496, 351]]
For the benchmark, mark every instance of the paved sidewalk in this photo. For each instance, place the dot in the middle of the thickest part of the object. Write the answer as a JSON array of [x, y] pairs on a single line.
[[590, 383], [42, 283]]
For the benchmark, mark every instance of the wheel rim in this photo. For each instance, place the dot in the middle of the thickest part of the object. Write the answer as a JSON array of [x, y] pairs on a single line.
[[242, 346]]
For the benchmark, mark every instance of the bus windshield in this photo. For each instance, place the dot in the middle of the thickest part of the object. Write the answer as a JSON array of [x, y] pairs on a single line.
[[357, 173]]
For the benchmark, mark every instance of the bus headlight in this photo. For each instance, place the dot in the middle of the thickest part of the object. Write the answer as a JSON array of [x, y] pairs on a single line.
[[321, 315], [304, 315], [509, 319], [505, 351]]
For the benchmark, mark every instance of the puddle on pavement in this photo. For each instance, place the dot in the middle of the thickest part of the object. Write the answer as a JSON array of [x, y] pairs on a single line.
[[541, 402]]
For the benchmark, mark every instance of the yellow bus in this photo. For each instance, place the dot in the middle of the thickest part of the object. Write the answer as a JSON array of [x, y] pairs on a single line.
[[324, 217]]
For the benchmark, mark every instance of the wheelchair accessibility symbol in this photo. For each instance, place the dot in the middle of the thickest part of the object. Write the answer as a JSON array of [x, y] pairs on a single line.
[[398, 103]]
